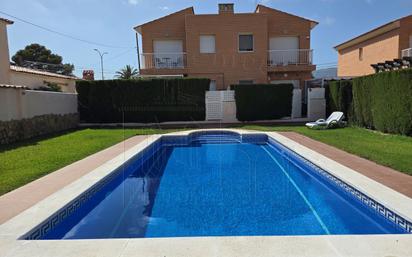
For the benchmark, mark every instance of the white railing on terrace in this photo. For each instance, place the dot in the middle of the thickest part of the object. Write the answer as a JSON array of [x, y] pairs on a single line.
[[163, 60], [407, 52], [290, 57]]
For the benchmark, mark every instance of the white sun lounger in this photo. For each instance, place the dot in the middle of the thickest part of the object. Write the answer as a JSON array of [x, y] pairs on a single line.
[[335, 119]]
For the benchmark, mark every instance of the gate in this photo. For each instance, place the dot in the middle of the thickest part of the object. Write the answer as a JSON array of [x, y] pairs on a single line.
[[220, 105]]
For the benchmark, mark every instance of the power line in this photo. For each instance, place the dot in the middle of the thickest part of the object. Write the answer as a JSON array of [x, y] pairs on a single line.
[[63, 34]]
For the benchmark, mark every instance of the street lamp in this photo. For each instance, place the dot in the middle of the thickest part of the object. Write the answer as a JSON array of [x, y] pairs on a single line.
[[101, 59]]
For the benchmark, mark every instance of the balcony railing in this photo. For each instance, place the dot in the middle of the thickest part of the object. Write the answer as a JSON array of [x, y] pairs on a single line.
[[163, 60], [407, 52], [290, 57]]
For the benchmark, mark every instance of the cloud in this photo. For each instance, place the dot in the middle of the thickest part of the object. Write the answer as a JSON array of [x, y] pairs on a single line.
[[329, 21], [164, 8], [133, 2]]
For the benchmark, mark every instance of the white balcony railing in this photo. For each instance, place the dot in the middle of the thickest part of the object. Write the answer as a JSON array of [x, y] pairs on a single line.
[[290, 57], [407, 52], [163, 60]]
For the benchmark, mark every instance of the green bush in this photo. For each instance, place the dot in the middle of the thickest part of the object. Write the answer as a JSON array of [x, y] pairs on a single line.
[[383, 101], [263, 101], [142, 100], [339, 97]]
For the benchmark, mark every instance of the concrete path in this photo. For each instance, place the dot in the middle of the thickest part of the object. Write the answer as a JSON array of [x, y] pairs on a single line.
[[384, 175], [26, 196]]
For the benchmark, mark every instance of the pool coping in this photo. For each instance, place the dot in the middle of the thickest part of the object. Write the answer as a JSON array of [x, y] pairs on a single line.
[[24, 222]]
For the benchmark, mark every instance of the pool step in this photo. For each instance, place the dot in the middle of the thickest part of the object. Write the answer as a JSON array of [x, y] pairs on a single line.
[[216, 139]]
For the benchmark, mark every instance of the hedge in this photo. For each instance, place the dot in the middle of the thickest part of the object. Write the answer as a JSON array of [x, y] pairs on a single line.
[[142, 100], [339, 97], [383, 101], [263, 101]]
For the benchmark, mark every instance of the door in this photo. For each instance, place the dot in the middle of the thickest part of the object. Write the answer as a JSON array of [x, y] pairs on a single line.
[[283, 50], [168, 53], [296, 83]]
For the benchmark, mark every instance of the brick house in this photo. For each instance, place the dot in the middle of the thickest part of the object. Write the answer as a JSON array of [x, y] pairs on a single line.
[[266, 46], [385, 43]]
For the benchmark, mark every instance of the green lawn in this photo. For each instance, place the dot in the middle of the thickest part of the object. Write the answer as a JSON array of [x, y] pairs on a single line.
[[394, 151], [23, 162]]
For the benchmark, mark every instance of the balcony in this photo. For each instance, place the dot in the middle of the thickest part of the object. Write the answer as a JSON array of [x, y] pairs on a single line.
[[406, 53], [290, 57], [163, 60]]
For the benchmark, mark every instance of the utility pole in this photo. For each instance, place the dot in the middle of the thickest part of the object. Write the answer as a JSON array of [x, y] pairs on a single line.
[[101, 59]]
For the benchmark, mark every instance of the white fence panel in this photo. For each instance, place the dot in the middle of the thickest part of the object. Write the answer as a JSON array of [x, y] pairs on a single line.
[[316, 103], [221, 105]]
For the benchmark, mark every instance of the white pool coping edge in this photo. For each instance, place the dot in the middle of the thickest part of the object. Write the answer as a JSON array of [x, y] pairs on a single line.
[[370, 245]]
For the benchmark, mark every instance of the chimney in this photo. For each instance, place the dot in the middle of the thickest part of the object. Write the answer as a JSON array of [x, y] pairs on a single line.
[[4, 52], [226, 9], [88, 74]]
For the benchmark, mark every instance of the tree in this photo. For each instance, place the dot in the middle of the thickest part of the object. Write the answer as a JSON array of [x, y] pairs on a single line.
[[128, 72], [39, 57]]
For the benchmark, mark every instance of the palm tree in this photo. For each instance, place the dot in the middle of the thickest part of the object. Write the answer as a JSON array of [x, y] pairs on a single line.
[[128, 72]]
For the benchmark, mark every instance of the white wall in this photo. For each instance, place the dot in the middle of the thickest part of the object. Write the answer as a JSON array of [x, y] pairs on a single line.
[[296, 104], [35, 81], [16, 104]]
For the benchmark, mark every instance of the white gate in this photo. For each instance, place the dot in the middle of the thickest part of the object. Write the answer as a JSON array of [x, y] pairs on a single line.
[[220, 105]]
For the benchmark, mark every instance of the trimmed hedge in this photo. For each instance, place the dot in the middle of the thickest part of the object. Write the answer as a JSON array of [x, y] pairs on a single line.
[[142, 100], [263, 101], [383, 101], [339, 97]]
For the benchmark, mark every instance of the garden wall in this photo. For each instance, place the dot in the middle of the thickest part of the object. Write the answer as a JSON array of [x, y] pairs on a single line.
[[142, 100], [27, 113], [16, 130]]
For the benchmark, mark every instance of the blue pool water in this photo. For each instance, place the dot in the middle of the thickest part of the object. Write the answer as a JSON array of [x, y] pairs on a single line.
[[218, 187]]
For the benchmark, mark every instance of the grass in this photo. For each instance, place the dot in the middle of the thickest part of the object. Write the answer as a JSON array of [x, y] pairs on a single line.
[[394, 151], [23, 162]]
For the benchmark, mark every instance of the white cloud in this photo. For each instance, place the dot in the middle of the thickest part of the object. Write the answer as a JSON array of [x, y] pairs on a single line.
[[329, 21], [164, 8], [133, 2]]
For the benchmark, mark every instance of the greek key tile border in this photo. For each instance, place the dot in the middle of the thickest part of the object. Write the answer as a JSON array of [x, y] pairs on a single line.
[[43, 228], [386, 213]]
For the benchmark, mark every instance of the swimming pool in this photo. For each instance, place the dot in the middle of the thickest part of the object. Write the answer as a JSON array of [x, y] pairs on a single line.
[[218, 184]]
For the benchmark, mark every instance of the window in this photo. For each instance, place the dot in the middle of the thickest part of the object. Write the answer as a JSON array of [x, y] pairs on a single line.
[[207, 44], [245, 82], [245, 43], [360, 54]]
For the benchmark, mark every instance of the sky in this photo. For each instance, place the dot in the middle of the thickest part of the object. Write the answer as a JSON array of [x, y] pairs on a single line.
[[108, 25]]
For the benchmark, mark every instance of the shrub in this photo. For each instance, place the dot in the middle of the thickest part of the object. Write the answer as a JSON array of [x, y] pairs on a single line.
[[263, 101], [339, 97], [383, 101], [142, 100]]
